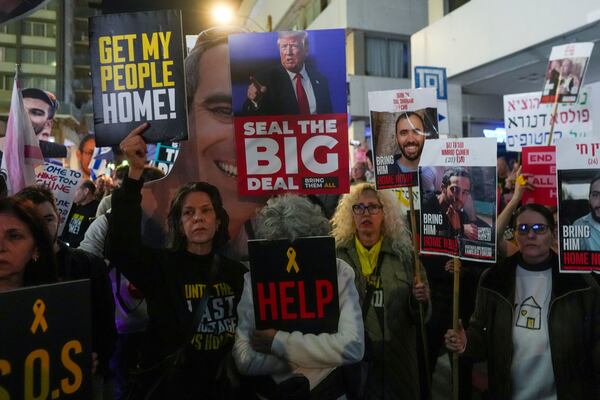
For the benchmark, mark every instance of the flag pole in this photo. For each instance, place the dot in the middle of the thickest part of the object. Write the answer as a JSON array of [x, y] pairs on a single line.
[[417, 261], [554, 110]]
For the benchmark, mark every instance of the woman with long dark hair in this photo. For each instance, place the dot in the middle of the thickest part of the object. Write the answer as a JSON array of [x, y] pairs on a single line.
[[191, 291]]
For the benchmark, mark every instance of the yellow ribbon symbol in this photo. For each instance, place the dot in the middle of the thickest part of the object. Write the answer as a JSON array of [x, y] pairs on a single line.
[[291, 254], [40, 321]]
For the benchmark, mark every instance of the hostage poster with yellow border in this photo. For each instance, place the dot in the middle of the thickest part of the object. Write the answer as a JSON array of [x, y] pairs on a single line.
[[138, 76]]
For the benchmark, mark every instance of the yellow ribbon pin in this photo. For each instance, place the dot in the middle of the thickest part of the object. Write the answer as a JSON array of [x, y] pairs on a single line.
[[40, 321], [291, 254]]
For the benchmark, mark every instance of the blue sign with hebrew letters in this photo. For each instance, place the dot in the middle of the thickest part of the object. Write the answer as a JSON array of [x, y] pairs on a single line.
[[432, 77]]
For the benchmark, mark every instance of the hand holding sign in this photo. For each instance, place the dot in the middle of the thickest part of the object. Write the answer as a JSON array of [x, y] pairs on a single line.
[[262, 340], [522, 184], [456, 341], [421, 292], [134, 148]]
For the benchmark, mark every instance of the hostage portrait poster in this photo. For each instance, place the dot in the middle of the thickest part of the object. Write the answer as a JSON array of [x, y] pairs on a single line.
[[457, 184], [290, 112], [401, 121], [137, 76], [565, 72], [578, 177]]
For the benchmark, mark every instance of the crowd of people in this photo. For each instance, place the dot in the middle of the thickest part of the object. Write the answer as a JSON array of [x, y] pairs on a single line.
[[177, 320]]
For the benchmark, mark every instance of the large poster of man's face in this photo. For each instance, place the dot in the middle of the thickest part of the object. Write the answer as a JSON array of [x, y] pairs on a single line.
[[458, 211], [289, 105], [565, 72], [401, 121], [457, 184], [288, 73], [578, 183], [579, 231]]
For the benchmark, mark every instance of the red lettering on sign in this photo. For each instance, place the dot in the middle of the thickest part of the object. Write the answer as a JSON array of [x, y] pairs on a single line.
[[301, 295], [324, 295], [263, 301], [289, 300], [285, 300]]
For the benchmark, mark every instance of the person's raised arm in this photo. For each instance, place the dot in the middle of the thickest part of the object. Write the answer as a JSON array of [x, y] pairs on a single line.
[[522, 183], [125, 248], [134, 149]]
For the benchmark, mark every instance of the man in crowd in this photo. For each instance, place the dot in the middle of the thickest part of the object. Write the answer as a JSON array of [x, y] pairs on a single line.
[[456, 190], [84, 154], [82, 213], [592, 219], [294, 87]]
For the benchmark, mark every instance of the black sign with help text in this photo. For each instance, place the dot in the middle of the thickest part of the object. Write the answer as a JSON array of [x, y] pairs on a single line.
[[294, 284]]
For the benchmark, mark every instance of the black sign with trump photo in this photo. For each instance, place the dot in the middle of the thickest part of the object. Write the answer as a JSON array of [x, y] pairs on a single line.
[[294, 284]]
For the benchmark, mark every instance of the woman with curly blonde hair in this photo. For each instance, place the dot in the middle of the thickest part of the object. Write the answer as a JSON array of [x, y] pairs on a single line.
[[371, 235]]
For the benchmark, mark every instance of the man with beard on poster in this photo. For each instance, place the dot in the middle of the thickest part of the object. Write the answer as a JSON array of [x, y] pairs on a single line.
[[592, 219], [455, 192], [209, 153], [410, 136]]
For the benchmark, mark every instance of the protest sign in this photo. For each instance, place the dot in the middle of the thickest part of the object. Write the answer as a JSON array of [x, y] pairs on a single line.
[[435, 77], [46, 351], [294, 284], [578, 178], [540, 162], [62, 182], [290, 128], [528, 122], [137, 76], [457, 181], [565, 72], [401, 121], [165, 156]]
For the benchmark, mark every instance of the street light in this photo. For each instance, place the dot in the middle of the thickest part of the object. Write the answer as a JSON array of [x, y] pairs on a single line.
[[223, 14]]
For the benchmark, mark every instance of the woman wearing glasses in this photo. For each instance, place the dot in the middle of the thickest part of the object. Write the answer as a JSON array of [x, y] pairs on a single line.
[[539, 330], [371, 236]]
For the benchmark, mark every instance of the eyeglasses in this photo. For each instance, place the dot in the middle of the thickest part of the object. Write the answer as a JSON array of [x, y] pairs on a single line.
[[359, 209], [538, 229]]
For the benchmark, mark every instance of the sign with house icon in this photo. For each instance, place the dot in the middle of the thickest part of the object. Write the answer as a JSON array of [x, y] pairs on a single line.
[[529, 314]]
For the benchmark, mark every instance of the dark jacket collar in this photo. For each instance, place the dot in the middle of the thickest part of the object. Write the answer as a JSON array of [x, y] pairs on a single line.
[[501, 278]]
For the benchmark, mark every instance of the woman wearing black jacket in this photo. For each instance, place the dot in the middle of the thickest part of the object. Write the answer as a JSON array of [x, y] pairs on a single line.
[[174, 279]]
